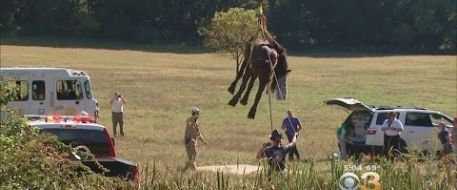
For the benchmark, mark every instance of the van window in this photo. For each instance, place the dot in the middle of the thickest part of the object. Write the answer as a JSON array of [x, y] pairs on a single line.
[[418, 119], [88, 88], [438, 118], [95, 140], [21, 92], [383, 116], [69, 90], [38, 90]]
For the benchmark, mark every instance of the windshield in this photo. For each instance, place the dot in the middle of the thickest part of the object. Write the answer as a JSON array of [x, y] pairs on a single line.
[[95, 140], [88, 89], [68, 90]]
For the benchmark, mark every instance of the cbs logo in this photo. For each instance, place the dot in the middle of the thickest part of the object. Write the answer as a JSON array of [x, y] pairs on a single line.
[[368, 181]]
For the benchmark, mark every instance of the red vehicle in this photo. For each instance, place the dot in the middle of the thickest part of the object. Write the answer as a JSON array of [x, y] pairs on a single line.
[[80, 132]]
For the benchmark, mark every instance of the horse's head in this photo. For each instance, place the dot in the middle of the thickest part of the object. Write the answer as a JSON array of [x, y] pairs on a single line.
[[281, 70]]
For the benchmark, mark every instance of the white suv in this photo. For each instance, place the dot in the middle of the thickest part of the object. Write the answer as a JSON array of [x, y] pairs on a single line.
[[420, 132]]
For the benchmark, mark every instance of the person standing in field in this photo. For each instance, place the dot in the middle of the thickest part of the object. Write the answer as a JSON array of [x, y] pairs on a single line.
[[444, 138], [191, 136], [292, 127], [392, 127], [117, 114]]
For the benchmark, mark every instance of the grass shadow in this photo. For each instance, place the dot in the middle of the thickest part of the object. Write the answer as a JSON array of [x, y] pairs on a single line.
[[358, 53], [192, 48]]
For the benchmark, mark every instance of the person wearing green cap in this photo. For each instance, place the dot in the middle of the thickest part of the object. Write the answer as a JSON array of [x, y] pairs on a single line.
[[191, 136], [342, 133]]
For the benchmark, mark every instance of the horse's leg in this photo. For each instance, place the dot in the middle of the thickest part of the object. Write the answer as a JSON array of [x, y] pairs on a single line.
[[263, 81], [237, 96], [239, 74], [232, 86], [244, 100]]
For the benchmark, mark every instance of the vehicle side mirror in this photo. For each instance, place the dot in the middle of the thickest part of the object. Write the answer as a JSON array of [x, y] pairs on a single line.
[[112, 140]]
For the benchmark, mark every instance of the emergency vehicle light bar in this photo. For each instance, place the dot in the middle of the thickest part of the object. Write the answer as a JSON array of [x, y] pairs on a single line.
[[65, 118]]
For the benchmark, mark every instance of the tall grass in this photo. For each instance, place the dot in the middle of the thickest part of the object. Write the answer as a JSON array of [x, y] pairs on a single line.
[[409, 174]]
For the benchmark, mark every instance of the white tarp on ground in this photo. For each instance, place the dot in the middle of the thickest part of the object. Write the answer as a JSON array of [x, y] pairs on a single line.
[[233, 169]]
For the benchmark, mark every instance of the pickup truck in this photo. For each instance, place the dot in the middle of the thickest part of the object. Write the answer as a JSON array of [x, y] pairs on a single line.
[[79, 131]]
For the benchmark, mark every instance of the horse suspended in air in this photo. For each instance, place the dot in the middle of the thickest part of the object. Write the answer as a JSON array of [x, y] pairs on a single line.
[[260, 61]]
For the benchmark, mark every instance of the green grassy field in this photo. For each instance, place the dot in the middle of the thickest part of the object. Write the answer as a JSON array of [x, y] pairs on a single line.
[[161, 89]]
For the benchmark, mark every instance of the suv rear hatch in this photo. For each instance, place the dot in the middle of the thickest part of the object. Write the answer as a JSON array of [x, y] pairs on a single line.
[[350, 104]]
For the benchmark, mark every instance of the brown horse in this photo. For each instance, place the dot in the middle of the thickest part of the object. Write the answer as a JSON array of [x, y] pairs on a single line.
[[264, 56]]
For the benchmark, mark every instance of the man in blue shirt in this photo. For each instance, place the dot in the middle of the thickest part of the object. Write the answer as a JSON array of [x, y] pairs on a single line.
[[292, 126]]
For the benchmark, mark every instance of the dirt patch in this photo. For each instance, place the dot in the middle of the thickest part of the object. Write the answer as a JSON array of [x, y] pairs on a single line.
[[233, 169]]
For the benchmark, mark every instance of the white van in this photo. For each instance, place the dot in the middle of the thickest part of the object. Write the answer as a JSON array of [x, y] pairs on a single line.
[[420, 132], [46, 91]]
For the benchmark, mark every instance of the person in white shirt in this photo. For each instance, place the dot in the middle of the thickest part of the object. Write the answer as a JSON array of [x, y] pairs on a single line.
[[117, 108], [392, 128]]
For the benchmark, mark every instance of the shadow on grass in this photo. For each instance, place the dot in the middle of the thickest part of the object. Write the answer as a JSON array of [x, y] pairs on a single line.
[[185, 48], [356, 53], [61, 42]]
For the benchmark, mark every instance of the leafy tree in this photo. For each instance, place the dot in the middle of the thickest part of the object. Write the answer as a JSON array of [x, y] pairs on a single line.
[[7, 9], [417, 25], [44, 17], [228, 32], [30, 160]]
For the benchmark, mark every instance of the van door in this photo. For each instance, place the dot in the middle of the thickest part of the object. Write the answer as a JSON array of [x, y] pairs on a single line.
[[350, 104], [68, 97], [39, 102], [90, 103], [418, 131]]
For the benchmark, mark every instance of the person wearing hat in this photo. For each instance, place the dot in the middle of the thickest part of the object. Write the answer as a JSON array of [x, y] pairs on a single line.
[[392, 127], [275, 152], [342, 134], [191, 136]]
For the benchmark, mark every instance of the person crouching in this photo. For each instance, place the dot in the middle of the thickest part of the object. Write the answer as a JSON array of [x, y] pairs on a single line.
[[275, 152]]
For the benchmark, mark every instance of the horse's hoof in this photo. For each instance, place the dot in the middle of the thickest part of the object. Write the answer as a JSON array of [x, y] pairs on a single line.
[[251, 115], [232, 103], [244, 102], [231, 89]]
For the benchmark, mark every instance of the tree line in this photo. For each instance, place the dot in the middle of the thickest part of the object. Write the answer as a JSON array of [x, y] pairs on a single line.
[[392, 25]]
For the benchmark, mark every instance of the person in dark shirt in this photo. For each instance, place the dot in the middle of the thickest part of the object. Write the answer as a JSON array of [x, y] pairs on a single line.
[[444, 138], [275, 152], [292, 126]]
